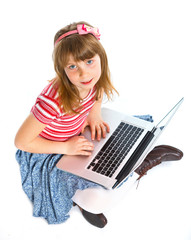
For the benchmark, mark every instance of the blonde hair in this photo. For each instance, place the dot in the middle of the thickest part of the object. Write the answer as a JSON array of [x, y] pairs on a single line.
[[81, 47]]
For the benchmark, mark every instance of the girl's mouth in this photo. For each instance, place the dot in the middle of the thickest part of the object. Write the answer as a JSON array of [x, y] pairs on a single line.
[[88, 82]]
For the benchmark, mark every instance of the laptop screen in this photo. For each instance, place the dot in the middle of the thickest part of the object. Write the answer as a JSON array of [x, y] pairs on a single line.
[[164, 122]]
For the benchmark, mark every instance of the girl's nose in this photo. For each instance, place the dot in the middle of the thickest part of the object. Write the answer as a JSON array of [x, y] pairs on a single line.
[[83, 72]]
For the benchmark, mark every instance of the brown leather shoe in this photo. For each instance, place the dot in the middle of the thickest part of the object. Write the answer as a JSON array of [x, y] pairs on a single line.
[[156, 156], [98, 220]]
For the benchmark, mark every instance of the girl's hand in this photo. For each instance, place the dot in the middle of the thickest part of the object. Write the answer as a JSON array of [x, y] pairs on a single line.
[[97, 125], [78, 145], [94, 120]]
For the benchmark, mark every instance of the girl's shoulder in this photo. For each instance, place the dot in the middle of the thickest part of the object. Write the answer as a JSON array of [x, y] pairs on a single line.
[[51, 90], [48, 98]]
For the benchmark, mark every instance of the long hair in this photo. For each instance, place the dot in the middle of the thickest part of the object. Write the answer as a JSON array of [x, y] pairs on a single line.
[[81, 47]]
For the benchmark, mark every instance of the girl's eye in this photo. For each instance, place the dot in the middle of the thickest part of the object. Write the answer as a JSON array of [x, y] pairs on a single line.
[[72, 67], [89, 62]]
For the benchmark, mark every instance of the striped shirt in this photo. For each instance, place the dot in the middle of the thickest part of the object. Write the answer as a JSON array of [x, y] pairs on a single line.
[[60, 126]]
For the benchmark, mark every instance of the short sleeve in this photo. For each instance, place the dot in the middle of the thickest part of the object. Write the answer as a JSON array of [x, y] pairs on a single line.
[[45, 109]]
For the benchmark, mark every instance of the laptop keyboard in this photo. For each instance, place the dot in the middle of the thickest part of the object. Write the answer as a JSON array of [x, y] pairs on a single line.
[[115, 149]]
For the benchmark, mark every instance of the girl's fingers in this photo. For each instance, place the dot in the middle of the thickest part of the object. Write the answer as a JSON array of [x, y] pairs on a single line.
[[86, 149], [89, 147], [86, 145], [107, 126], [102, 129], [99, 131], [93, 131], [85, 153]]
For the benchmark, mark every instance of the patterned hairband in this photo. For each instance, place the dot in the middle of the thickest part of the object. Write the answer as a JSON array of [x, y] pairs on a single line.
[[81, 29]]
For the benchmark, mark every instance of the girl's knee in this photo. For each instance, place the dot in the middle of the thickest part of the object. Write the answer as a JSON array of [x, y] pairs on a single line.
[[94, 200]]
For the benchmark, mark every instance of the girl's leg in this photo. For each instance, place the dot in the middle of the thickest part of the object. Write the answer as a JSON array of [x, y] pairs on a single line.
[[94, 201], [98, 200]]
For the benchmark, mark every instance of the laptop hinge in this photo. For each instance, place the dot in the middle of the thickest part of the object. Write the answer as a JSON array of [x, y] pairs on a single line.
[[134, 157]]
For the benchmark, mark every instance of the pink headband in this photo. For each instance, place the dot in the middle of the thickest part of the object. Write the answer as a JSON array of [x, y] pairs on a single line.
[[81, 29]]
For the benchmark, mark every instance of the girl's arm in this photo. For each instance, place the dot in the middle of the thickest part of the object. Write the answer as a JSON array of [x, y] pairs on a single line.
[[27, 139], [94, 120]]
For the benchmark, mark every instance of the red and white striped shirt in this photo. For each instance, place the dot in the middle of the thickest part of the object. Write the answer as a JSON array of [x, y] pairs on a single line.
[[60, 126]]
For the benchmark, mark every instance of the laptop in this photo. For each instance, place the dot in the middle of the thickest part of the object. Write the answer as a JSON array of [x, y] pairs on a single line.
[[115, 157]]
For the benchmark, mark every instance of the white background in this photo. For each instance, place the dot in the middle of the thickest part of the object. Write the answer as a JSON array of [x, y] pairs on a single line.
[[149, 50]]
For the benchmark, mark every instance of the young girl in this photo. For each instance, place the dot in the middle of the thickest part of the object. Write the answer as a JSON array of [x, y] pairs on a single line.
[[70, 102]]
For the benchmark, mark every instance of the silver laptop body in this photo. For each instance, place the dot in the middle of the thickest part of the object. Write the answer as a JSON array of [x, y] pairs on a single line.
[[84, 166]]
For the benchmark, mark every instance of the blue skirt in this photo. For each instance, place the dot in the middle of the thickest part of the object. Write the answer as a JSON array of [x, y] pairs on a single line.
[[50, 189]]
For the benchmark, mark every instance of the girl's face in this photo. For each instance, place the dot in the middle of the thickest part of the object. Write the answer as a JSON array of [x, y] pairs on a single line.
[[84, 74]]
